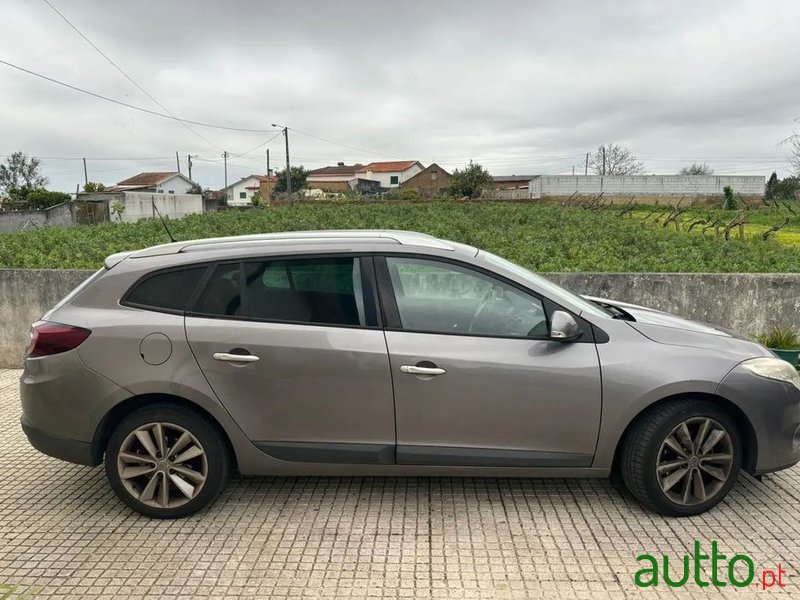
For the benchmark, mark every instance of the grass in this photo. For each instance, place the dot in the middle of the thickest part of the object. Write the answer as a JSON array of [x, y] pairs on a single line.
[[541, 237]]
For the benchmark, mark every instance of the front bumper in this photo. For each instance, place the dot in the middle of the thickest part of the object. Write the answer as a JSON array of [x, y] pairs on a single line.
[[58, 447], [773, 409]]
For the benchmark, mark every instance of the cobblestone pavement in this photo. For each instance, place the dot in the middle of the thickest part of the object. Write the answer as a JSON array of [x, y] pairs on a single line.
[[64, 534]]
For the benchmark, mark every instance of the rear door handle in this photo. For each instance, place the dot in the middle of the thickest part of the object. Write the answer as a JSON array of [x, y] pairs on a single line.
[[227, 357], [415, 370]]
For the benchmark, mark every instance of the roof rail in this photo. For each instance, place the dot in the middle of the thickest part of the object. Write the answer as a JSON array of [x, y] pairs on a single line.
[[409, 238]]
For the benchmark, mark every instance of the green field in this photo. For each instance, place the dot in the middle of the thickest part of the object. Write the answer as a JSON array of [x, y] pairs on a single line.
[[541, 237]]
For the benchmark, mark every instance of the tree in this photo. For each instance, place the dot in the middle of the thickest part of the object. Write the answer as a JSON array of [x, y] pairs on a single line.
[[470, 182], [93, 186], [612, 159], [21, 174], [769, 191], [298, 175], [794, 153], [730, 202], [696, 169]]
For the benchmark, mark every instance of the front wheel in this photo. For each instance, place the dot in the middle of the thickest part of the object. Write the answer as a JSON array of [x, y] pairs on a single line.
[[166, 462], [682, 458]]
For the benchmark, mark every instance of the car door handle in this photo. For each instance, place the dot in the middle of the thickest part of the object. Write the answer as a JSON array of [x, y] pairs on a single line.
[[415, 370], [227, 357]]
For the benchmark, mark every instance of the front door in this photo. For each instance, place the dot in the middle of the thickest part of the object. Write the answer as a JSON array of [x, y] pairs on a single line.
[[476, 381], [293, 350]]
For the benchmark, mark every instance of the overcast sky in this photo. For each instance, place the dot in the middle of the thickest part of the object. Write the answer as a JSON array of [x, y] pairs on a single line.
[[521, 87]]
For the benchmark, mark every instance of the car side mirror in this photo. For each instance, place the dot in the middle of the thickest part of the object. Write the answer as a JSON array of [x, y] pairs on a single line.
[[563, 327]]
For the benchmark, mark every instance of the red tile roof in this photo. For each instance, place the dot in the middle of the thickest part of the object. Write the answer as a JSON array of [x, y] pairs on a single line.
[[387, 167], [148, 178], [337, 170]]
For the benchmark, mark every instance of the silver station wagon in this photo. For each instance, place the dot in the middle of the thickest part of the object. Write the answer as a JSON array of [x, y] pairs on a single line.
[[389, 353]]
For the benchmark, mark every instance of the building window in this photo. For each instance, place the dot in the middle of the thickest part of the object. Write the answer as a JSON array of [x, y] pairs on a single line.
[[394, 180], [171, 192], [434, 175], [242, 195]]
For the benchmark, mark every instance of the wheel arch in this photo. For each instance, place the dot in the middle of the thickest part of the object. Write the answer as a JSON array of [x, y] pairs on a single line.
[[746, 429], [121, 410]]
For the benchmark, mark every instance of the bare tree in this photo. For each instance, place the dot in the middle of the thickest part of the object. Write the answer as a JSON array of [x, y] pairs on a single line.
[[612, 159], [696, 169], [794, 153]]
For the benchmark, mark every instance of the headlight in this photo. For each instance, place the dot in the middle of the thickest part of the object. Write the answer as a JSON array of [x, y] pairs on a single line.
[[773, 368]]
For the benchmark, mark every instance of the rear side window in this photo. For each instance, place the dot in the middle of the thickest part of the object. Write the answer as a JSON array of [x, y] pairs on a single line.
[[326, 290], [170, 290]]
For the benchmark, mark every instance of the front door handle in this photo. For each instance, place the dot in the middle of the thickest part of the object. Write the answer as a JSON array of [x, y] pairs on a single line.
[[228, 357], [415, 370]]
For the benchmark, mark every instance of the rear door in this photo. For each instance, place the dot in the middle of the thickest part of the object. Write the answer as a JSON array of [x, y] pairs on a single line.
[[293, 349], [477, 382]]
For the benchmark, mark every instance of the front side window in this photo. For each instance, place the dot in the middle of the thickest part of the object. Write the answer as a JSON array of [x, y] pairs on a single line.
[[394, 179], [321, 290], [440, 297], [169, 290], [242, 195]]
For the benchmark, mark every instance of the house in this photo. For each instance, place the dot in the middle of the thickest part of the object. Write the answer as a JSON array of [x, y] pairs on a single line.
[[241, 193], [160, 182], [390, 174], [512, 182], [339, 178], [433, 180], [143, 196]]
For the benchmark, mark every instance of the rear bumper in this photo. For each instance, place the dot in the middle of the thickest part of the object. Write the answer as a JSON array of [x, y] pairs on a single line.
[[58, 447]]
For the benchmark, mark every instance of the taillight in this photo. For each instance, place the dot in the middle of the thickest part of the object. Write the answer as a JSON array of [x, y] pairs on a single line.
[[53, 338]]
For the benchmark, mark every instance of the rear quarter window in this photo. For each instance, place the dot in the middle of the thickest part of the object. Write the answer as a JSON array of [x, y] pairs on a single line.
[[170, 290]]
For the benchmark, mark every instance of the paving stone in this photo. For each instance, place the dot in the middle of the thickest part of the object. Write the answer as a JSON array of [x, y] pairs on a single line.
[[63, 534]]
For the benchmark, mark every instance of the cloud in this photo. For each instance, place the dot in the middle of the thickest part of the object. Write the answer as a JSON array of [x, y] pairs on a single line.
[[521, 87]]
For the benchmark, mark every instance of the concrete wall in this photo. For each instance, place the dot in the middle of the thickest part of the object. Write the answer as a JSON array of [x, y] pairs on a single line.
[[749, 303], [59, 215], [139, 205], [646, 185], [25, 295]]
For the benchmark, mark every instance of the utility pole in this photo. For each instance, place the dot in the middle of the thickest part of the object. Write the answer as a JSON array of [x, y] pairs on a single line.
[[177, 161], [189, 164], [586, 168], [288, 167], [604, 160], [225, 156], [85, 173], [573, 170]]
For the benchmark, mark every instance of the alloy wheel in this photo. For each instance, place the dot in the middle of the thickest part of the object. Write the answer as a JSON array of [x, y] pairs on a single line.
[[162, 465], [694, 461]]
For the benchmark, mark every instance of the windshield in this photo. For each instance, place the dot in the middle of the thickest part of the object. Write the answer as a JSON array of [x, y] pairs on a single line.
[[555, 291]]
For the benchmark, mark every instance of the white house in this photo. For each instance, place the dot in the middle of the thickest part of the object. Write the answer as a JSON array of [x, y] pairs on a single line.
[[161, 182], [390, 174], [241, 193], [148, 195]]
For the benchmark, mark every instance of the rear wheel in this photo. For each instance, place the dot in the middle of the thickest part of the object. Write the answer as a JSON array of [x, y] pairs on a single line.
[[682, 458], [166, 462]]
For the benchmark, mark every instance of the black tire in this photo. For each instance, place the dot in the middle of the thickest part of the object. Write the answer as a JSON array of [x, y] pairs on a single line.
[[643, 443], [216, 459]]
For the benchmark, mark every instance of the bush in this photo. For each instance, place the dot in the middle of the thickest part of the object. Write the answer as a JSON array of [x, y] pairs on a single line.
[[780, 338], [730, 202], [35, 200]]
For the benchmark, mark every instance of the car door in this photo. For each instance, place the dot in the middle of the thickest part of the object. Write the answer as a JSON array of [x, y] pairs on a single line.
[[293, 349], [476, 380]]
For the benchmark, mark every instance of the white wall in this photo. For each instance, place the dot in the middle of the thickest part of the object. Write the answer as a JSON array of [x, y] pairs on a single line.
[[237, 188], [674, 185], [139, 205], [385, 178], [178, 184]]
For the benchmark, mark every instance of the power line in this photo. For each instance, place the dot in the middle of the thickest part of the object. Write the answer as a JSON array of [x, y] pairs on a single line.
[[128, 77], [261, 145], [132, 106], [335, 143]]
